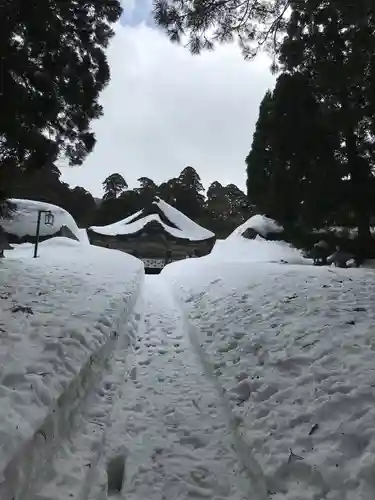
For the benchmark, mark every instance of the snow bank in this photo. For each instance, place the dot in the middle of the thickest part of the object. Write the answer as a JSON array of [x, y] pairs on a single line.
[[260, 223], [24, 220], [62, 318], [237, 248], [293, 348], [241, 250], [185, 228]]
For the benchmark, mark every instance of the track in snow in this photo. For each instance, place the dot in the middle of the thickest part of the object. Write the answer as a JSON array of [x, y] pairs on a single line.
[[169, 424]]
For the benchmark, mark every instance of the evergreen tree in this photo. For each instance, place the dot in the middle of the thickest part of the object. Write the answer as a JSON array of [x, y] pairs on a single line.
[[189, 193], [147, 191], [189, 178], [113, 186], [253, 23], [332, 44], [293, 175], [53, 68]]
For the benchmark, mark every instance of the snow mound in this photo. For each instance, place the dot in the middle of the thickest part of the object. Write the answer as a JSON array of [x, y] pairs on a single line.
[[24, 220], [260, 223], [185, 228], [64, 318], [237, 248], [301, 341]]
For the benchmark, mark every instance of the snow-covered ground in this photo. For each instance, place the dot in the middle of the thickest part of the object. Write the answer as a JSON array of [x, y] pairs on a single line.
[[293, 349], [24, 220], [225, 377], [169, 425], [61, 317]]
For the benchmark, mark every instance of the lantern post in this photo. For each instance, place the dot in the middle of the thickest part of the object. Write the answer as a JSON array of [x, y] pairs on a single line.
[[49, 219]]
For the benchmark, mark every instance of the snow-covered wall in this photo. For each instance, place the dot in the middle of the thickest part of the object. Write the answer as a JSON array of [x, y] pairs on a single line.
[[64, 319]]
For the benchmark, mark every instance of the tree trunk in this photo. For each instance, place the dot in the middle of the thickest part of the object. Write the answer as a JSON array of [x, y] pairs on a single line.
[[360, 176]]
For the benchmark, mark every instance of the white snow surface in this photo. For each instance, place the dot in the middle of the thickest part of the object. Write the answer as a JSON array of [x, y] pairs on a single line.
[[236, 248], [169, 425], [262, 224], [239, 249], [183, 222], [293, 348], [24, 220], [119, 227], [216, 379], [62, 317], [186, 228]]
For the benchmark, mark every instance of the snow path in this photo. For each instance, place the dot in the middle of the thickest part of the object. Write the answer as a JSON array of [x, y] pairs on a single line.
[[169, 423]]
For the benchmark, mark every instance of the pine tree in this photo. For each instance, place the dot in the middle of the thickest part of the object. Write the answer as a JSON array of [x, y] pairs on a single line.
[[147, 191], [332, 44], [53, 68], [189, 193], [113, 186], [293, 175], [252, 23]]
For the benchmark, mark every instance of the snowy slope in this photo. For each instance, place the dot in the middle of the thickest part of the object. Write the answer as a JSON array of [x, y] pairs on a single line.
[[293, 349], [185, 228], [236, 248], [119, 227], [134, 227], [24, 221], [62, 318]]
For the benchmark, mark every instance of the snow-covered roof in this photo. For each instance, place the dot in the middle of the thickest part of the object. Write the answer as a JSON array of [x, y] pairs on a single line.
[[180, 226], [260, 223], [24, 220]]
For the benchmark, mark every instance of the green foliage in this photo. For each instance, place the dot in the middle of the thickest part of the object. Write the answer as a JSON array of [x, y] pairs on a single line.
[[332, 44], [45, 185], [185, 193], [53, 69], [252, 23], [293, 175], [113, 186], [226, 208], [312, 159]]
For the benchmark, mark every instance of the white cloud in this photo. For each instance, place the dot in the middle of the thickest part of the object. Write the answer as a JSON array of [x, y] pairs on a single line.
[[165, 109]]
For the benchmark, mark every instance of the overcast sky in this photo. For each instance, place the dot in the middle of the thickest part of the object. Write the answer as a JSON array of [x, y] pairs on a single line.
[[165, 109]]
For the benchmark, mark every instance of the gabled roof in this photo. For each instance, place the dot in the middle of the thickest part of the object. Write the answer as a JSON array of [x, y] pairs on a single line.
[[169, 219]]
